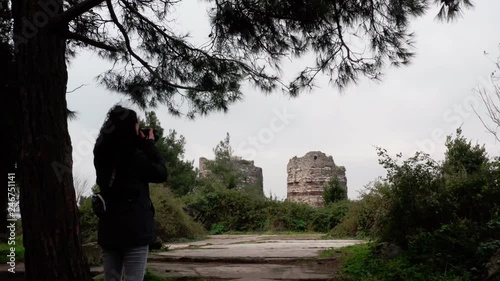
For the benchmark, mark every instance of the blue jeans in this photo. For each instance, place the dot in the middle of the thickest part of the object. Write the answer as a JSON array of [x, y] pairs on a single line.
[[126, 264]]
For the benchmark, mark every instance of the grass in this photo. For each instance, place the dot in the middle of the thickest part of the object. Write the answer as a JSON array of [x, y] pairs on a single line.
[[187, 240], [163, 248], [360, 264], [5, 249]]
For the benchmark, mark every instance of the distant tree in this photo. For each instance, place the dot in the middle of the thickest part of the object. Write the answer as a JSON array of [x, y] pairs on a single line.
[[223, 169], [462, 157], [154, 63], [467, 172], [152, 122], [88, 220], [82, 186], [333, 191], [491, 101], [181, 173]]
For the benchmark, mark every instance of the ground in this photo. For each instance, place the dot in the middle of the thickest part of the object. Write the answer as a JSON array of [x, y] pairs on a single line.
[[247, 257]]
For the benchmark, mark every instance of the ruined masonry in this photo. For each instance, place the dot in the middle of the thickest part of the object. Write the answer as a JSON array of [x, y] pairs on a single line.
[[251, 175], [308, 175]]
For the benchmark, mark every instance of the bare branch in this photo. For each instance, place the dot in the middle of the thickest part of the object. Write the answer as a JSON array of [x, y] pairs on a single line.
[[82, 186], [75, 89], [492, 111]]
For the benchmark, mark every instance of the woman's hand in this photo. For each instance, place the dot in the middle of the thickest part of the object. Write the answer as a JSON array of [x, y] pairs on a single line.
[[151, 135]]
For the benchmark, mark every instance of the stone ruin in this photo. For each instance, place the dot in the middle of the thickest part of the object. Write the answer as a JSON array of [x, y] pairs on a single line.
[[251, 176], [308, 175]]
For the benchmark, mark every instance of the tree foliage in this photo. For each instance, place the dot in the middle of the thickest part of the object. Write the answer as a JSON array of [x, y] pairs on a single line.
[[248, 41], [181, 173], [334, 191], [223, 168], [446, 214], [368, 216], [220, 210]]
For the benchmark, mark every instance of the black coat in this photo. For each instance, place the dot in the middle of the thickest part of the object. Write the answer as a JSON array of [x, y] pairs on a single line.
[[129, 219]]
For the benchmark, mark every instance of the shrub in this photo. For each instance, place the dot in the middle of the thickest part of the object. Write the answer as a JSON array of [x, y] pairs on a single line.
[[213, 204], [324, 219], [360, 264], [221, 210], [446, 214], [334, 191], [172, 220], [18, 250], [88, 221], [365, 217], [416, 190]]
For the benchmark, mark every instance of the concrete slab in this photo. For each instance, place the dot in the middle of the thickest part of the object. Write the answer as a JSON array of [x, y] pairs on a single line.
[[250, 257], [249, 246], [244, 272], [243, 257]]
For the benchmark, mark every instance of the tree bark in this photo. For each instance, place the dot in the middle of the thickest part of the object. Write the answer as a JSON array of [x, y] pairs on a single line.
[[48, 208], [10, 135]]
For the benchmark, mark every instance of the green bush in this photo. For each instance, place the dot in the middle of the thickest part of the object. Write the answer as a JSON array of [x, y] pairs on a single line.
[[445, 214], [5, 249], [88, 221], [221, 210], [334, 191], [213, 204], [172, 220], [328, 217], [217, 229], [367, 216], [416, 189], [360, 264]]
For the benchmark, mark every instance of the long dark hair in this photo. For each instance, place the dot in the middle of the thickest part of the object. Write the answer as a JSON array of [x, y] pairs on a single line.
[[117, 135]]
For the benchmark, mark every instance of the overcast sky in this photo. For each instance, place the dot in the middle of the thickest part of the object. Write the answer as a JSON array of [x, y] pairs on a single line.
[[412, 108]]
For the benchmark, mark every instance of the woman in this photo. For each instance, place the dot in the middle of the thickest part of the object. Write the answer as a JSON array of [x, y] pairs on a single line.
[[126, 161]]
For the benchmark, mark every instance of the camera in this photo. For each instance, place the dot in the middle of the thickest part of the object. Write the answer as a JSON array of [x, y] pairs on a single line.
[[145, 131]]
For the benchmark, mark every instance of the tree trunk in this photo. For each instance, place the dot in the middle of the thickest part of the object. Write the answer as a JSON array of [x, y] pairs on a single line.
[[10, 135], [48, 207]]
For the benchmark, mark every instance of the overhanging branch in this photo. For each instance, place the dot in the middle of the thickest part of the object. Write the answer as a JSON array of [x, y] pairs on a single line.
[[74, 12], [138, 58], [88, 41]]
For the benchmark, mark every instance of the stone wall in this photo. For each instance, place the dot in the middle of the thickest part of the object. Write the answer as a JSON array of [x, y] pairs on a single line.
[[308, 175], [250, 175]]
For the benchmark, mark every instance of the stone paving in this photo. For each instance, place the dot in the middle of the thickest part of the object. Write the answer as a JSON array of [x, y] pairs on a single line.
[[249, 257], [253, 246], [243, 257]]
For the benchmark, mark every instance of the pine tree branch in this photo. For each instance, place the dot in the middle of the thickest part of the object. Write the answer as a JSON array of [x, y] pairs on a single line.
[[73, 12], [246, 67], [88, 41], [138, 58]]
